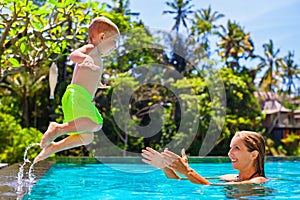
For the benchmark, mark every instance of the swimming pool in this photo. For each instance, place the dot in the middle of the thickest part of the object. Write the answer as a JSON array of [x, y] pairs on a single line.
[[101, 181]]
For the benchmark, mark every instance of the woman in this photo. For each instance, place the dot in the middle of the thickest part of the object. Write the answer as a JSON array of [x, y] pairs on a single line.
[[247, 153]]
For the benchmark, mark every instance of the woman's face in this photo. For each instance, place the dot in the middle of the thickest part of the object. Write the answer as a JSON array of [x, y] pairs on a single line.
[[239, 155]]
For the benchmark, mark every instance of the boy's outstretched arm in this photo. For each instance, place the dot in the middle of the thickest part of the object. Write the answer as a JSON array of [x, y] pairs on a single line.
[[80, 54]]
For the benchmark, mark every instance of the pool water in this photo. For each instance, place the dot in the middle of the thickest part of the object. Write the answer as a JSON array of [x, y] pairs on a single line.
[[100, 181]]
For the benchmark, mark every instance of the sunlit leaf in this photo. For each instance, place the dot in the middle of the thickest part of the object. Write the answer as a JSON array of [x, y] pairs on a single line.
[[70, 37], [14, 62], [68, 2], [23, 47], [80, 37], [63, 45], [57, 50], [102, 9], [36, 26], [53, 2]]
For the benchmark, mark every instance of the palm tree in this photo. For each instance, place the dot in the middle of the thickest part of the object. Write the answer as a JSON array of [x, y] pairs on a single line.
[[290, 72], [234, 45], [203, 26], [181, 9], [271, 64], [203, 22]]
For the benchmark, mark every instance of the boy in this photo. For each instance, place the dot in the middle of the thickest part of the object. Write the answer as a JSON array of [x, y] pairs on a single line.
[[81, 117]]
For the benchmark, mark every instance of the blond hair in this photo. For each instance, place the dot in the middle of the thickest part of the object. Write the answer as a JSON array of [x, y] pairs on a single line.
[[102, 25], [254, 142]]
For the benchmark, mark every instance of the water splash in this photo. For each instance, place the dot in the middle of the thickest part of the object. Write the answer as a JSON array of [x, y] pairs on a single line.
[[31, 176], [21, 169]]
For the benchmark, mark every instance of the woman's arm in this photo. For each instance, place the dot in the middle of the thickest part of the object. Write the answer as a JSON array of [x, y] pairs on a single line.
[[155, 159], [152, 157], [180, 165], [194, 177], [170, 173]]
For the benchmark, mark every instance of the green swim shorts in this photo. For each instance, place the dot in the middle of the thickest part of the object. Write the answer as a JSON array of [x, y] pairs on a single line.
[[77, 102]]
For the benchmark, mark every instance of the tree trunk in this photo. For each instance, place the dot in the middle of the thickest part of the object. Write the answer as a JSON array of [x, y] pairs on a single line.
[[26, 114], [125, 141]]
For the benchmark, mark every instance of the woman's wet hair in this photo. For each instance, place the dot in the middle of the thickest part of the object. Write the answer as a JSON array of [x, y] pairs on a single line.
[[255, 142]]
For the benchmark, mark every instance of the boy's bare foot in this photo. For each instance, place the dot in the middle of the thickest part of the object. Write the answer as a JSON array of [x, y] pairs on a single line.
[[45, 153], [49, 135]]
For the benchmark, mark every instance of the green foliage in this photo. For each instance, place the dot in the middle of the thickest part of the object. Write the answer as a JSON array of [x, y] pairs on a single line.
[[292, 144], [238, 95], [14, 139], [8, 105], [243, 111], [274, 148], [134, 50], [25, 86]]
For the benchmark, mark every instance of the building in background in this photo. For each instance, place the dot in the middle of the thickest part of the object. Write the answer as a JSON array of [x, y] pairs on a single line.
[[280, 121]]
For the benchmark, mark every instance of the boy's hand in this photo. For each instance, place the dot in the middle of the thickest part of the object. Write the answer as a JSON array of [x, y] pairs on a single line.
[[103, 86]]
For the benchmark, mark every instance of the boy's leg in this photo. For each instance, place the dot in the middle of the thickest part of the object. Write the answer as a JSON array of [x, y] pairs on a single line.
[[79, 125], [67, 143]]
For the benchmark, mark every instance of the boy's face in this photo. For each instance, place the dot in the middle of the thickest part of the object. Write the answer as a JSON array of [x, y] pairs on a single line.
[[105, 43]]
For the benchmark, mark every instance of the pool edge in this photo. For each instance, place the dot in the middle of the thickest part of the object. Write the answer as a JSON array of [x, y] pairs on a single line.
[[3, 165], [138, 160], [8, 175]]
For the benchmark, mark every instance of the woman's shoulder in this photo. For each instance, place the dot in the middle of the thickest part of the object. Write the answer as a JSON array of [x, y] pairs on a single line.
[[259, 180], [228, 177], [233, 178]]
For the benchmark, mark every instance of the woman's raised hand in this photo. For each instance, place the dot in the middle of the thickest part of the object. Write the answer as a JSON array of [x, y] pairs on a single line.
[[174, 161], [153, 158]]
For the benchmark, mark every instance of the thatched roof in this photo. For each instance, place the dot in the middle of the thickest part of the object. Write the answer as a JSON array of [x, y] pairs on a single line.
[[270, 103]]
